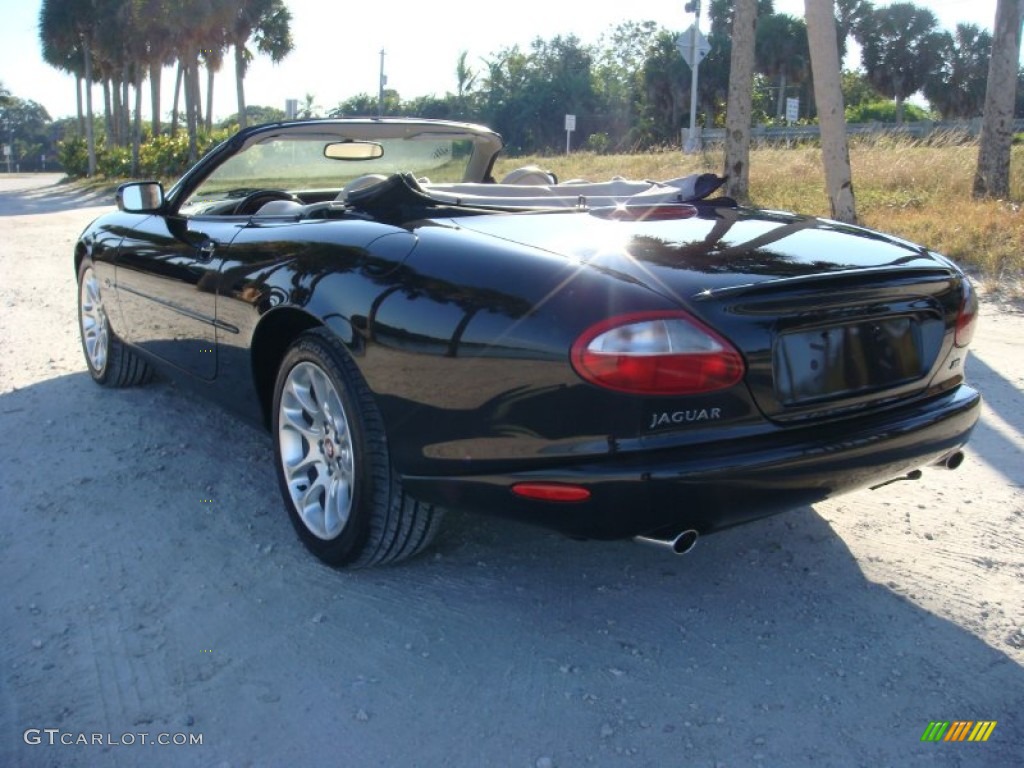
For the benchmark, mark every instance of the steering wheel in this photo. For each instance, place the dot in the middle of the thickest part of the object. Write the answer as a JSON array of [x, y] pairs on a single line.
[[252, 202]]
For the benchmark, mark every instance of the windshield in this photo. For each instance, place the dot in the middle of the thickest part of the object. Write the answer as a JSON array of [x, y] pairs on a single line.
[[299, 165]]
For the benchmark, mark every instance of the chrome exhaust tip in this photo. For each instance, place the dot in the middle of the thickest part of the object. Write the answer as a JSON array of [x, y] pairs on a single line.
[[953, 461], [678, 544]]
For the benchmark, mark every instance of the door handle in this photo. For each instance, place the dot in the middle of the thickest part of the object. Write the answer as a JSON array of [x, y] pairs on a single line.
[[206, 250]]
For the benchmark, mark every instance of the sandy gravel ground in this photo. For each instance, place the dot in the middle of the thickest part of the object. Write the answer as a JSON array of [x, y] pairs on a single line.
[[828, 636]]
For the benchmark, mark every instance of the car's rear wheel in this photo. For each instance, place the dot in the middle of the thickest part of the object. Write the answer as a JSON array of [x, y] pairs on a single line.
[[110, 362], [331, 455]]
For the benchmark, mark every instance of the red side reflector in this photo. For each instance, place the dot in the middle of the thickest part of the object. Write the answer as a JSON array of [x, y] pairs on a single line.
[[551, 492]]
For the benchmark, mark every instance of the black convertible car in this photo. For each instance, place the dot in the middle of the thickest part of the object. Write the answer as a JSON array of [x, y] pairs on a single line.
[[609, 359]]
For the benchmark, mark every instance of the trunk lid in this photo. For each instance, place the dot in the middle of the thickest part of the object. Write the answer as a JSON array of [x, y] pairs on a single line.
[[830, 318]]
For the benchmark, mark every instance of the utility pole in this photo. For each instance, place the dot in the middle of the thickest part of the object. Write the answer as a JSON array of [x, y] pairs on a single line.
[[383, 82], [692, 140]]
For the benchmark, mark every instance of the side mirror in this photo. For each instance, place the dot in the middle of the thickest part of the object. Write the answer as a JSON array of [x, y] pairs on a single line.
[[140, 197]]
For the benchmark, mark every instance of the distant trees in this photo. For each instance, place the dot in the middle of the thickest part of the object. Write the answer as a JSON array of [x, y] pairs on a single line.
[[25, 126], [629, 90]]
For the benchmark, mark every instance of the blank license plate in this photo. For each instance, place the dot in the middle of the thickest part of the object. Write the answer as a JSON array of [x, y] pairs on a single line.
[[847, 359]]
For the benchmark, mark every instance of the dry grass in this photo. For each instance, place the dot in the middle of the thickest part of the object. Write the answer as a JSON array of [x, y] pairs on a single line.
[[919, 192]]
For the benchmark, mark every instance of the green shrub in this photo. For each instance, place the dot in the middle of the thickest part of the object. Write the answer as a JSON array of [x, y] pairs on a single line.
[[599, 143], [73, 155], [164, 156], [114, 162], [884, 112]]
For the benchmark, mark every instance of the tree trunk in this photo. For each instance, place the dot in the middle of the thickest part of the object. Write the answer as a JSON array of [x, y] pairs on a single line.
[[828, 94], [197, 91], [155, 72], [177, 93], [741, 84], [78, 100], [780, 104], [899, 108], [209, 98], [90, 133], [126, 102], [191, 108], [137, 123], [992, 177], [240, 83], [108, 121], [115, 113]]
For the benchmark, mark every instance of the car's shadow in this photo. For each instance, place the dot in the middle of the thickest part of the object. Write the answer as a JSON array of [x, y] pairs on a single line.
[[148, 558]]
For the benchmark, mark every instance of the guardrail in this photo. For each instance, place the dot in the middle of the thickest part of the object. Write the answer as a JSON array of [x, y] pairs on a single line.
[[917, 130]]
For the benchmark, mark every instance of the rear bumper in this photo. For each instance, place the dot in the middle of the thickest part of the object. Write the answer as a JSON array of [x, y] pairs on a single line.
[[717, 485]]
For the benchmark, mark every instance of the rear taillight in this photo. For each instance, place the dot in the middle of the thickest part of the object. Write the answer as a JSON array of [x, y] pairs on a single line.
[[656, 353], [967, 320]]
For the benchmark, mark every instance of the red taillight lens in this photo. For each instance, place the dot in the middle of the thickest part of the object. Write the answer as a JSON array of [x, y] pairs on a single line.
[[656, 353], [967, 320]]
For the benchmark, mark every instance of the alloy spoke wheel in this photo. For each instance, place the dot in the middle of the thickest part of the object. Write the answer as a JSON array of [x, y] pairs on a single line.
[[316, 450], [93, 317]]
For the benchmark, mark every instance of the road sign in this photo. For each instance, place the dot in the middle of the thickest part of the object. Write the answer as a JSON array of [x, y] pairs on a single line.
[[685, 45], [570, 122], [7, 150], [792, 110]]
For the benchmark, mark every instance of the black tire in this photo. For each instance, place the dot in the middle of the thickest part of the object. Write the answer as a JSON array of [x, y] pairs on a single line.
[[332, 462], [111, 363]]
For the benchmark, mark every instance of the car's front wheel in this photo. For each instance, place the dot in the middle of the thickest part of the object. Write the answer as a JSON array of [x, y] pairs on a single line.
[[110, 362], [331, 455]]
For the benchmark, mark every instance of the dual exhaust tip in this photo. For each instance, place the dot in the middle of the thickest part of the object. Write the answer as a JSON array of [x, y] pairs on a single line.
[[953, 461], [677, 544], [683, 542]]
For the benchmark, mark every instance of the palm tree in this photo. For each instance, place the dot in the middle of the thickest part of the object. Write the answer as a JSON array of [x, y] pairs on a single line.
[[781, 52], [268, 24], [203, 28], [213, 59], [899, 47], [70, 26], [465, 80], [155, 18], [957, 90]]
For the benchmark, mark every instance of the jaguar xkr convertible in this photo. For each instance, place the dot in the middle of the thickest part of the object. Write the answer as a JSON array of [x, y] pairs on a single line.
[[607, 358]]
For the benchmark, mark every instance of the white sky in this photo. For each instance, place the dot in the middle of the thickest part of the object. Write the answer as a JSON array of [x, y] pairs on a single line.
[[338, 43]]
